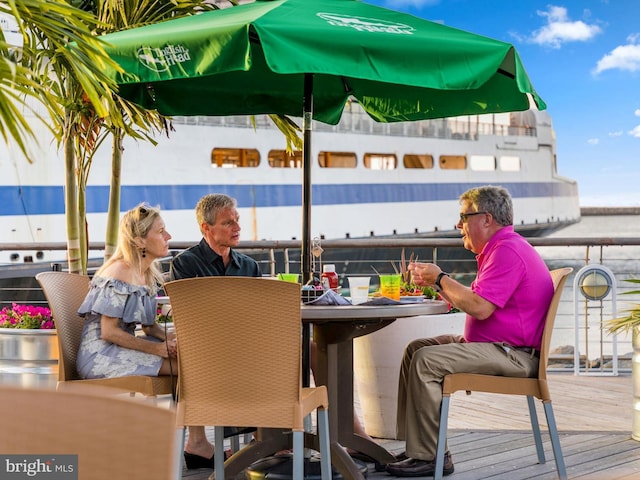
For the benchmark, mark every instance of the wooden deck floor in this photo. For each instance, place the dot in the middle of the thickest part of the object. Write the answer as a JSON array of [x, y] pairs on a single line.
[[490, 438], [581, 403], [489, 435]]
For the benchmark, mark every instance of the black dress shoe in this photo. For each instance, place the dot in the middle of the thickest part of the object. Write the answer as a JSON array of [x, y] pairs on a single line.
[[401, 456], [412, 467], [193, 461]]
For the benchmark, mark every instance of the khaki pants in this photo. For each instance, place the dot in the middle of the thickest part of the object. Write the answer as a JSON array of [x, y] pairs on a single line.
[[425, 363]]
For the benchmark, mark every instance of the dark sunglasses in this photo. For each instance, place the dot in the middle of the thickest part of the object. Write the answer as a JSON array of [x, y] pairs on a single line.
[[465, 216]]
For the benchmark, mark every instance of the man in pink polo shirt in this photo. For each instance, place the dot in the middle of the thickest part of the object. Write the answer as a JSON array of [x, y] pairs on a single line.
[[506, 307]]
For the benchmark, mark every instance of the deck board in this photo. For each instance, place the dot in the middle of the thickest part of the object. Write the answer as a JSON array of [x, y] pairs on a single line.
[[490, 437], [609, 398]]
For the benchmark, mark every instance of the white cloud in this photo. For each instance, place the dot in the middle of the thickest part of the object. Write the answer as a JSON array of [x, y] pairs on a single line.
[[635, 132], [593, 141], [616, 134], [637, 112], [560, 29], [625, 57]]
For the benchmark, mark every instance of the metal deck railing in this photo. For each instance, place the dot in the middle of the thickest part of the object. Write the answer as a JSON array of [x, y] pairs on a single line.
[[366, 256]]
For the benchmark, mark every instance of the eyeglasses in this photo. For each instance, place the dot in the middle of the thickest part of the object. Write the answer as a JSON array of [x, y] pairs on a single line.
[[464, 216]]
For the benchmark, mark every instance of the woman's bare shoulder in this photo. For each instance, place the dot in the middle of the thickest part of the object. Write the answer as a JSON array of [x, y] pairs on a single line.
[[120, 270]]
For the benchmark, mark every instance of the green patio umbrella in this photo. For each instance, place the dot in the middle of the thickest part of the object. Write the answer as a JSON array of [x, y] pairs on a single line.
[[307, 58]]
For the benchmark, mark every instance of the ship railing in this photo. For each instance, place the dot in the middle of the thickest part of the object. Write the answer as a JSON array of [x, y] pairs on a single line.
[[383, 255], [466, 128], [620, 254]]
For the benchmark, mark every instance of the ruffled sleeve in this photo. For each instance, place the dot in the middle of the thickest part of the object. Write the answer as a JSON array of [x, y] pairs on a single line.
[[118, 299]]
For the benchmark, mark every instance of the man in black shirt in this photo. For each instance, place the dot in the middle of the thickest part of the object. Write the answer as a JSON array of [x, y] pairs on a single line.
[[218, 218]]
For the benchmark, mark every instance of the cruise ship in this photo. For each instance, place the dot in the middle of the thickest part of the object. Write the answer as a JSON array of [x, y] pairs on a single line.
[[369, 179]]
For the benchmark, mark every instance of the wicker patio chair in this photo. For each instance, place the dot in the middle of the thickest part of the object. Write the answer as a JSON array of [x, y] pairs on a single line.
[[113, 437], [217, 317], [65, 292], [530, 387]]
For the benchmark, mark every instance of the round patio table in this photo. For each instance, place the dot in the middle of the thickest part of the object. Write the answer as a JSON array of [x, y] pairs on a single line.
[[334, 328]]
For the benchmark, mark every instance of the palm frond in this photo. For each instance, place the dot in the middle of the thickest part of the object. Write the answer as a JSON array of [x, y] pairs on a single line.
[[630, 321], [290, 130]]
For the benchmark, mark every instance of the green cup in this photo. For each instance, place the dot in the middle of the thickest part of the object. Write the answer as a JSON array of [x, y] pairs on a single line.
[[289, 277], [390, 286]]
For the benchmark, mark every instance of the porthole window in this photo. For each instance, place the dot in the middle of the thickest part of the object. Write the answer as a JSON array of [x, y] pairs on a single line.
[[234, 157], [453, 162], [337, 159], [283, 159], [482, 163], [418, 161], [380, 161]]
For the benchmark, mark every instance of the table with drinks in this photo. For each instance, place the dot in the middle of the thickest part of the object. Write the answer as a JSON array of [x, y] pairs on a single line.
[[334, 328]]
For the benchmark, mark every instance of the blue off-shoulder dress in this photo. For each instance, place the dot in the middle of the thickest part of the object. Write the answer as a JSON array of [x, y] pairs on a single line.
[[131, 304]]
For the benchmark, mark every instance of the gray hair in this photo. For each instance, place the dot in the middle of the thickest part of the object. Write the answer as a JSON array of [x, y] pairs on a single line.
[[494, 200], [209, 206]]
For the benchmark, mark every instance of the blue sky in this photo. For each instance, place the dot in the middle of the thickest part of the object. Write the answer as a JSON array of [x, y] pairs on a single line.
[[583, 57]]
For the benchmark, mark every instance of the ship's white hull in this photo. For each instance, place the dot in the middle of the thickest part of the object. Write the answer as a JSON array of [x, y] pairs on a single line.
[[347, 202]]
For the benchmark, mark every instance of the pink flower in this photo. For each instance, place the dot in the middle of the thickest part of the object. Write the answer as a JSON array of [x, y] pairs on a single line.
[[26, 316]]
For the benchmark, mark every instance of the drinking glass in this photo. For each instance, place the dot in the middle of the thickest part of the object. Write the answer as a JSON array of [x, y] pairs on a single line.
[[359, 289], [289, 277], [390, 286]]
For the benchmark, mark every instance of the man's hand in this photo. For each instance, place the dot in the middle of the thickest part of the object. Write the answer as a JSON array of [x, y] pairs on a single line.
[[424, 274]]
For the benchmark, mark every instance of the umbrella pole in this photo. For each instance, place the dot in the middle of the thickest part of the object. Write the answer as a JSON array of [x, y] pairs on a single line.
[[305, 252], [307, 115]]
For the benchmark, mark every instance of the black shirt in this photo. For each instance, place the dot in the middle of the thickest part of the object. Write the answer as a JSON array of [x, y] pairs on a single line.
[[201, 261]]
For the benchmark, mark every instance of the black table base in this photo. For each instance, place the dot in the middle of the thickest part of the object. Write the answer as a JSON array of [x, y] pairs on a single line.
[[279, 467]]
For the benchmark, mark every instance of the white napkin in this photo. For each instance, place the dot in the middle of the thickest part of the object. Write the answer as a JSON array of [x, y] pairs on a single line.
[[329, 297]]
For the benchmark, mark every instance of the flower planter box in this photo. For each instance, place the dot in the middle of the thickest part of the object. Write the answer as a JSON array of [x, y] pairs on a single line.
[[377, 358], [28, 351]]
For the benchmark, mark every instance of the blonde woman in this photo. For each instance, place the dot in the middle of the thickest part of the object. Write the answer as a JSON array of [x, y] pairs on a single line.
[[123, 295]]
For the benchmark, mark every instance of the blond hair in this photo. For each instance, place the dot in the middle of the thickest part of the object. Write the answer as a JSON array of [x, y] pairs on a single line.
[[136, 223]]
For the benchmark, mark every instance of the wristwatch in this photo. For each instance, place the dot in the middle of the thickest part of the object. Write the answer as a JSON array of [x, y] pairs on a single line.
[[439, 279]]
